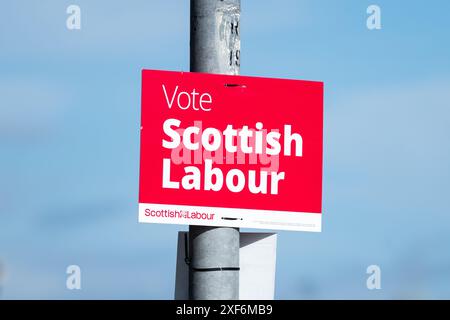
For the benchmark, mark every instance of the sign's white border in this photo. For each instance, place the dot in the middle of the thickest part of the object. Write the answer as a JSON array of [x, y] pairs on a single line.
[[232, 217]]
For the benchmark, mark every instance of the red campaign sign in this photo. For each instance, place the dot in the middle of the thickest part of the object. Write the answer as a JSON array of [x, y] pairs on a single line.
[[236, 151]]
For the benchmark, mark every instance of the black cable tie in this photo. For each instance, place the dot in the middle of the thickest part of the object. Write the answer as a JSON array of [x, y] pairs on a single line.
[[216, 269], [187, 260], [233, 85]]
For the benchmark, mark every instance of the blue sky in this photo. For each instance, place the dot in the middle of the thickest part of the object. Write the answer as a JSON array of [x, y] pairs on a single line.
[[69, 144]]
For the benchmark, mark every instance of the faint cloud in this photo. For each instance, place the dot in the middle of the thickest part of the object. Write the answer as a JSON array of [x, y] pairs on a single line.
[[30, 108], [110, 28], [388, 147], [258, 17], [76, 215]]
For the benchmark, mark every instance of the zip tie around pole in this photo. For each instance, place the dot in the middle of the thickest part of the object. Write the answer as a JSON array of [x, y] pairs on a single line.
[[187, 260], [216, 269], [232, 85]]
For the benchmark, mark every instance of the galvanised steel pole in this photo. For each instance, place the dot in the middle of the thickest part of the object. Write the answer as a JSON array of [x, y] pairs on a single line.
[[214, 251]]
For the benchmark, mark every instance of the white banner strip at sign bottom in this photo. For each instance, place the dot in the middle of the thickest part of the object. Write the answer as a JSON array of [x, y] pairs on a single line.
[[229, 217]]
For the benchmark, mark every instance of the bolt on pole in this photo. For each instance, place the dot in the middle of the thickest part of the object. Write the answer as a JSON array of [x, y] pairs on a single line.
[[214, 251]]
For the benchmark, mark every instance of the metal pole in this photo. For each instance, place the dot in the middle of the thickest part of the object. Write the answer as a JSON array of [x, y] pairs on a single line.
[[214, 251]]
